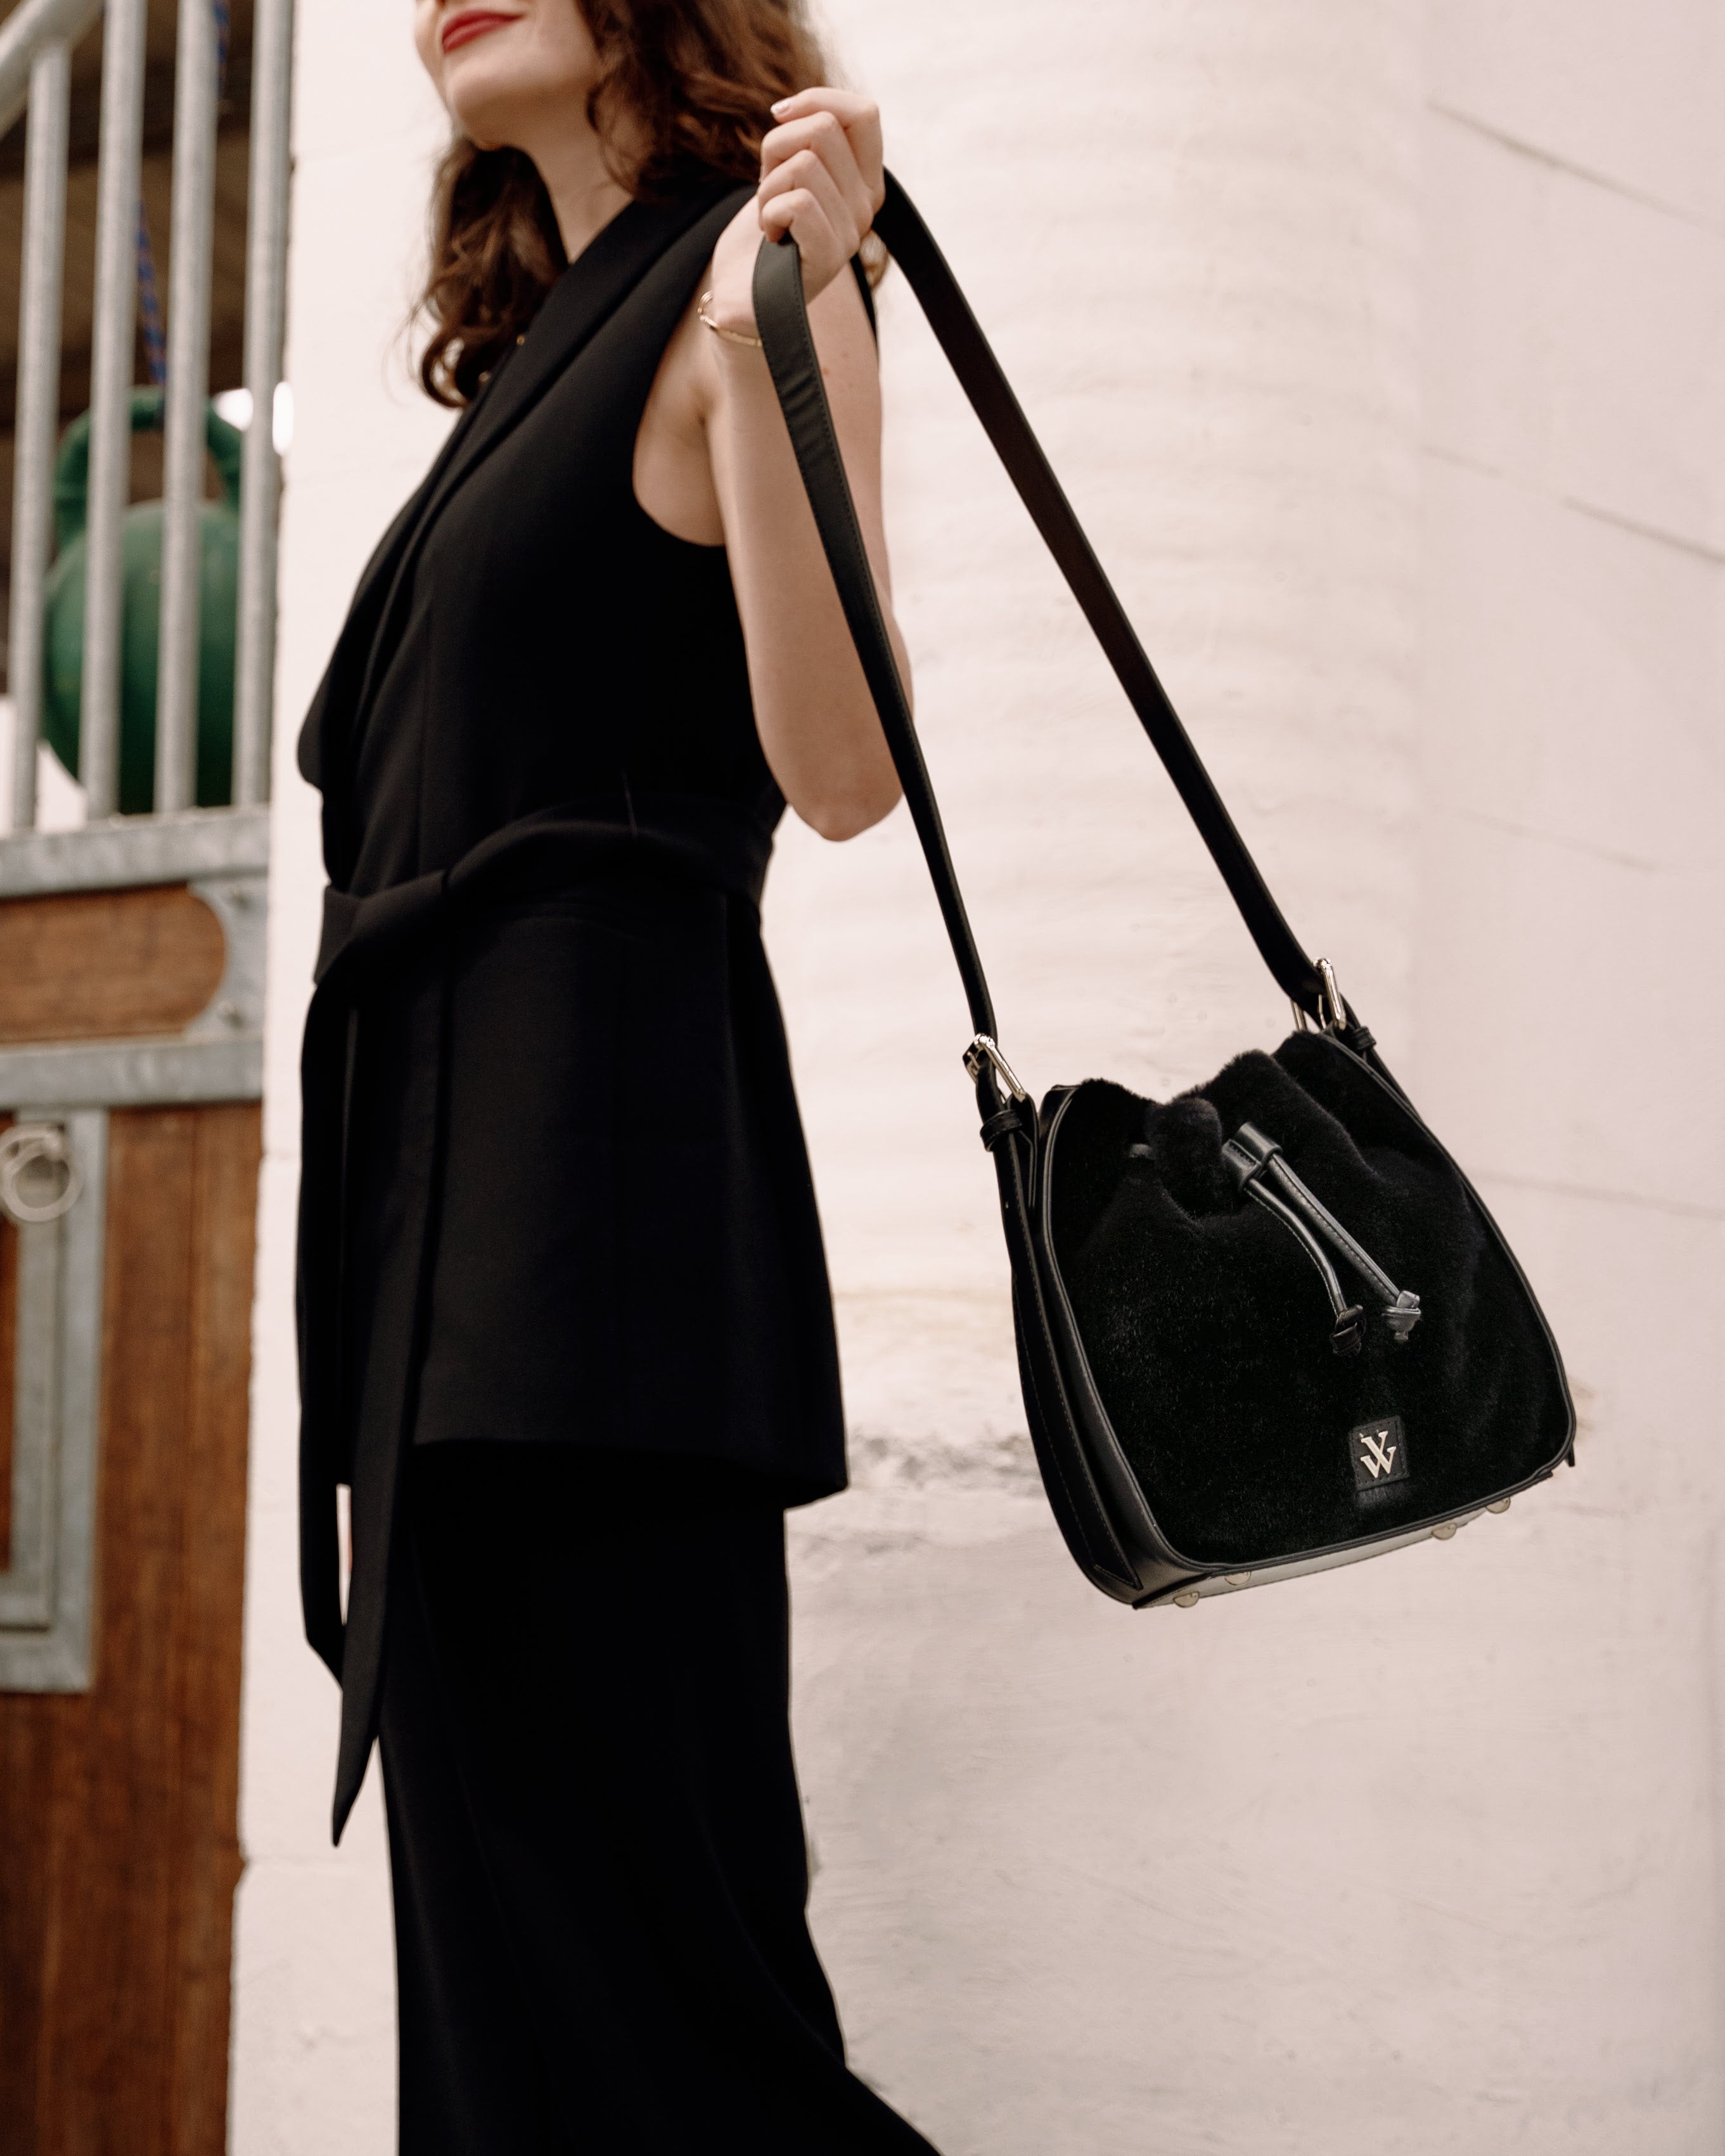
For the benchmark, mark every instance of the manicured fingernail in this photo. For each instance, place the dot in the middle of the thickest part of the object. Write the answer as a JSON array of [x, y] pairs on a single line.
[[780, 107]]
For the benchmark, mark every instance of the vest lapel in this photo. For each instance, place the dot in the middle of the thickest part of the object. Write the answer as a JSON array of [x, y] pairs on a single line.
[[589, 291], [338, 693], [584, 298]]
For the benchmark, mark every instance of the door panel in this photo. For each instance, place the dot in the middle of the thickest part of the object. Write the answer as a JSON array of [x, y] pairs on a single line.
[[118, 1855], [107, 965]]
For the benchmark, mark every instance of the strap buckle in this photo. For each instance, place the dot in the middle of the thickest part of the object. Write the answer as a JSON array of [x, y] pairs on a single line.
[[981, 1052]]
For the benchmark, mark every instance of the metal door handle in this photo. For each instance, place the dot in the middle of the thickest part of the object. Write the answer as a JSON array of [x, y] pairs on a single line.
[[40, 1179]]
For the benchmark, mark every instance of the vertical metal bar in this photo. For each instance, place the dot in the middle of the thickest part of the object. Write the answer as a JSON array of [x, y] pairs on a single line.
[[265, 312], [27, 1587], [83, 1260], [38, 398], [188, 303], [110, 400]]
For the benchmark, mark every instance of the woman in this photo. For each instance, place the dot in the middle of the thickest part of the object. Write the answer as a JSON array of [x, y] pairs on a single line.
[[564, 1315]]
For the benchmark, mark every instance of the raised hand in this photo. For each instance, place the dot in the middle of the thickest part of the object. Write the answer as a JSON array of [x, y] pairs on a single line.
[[821, 180]]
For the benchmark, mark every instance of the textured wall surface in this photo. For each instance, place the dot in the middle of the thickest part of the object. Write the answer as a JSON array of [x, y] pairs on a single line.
[[1381, 350]]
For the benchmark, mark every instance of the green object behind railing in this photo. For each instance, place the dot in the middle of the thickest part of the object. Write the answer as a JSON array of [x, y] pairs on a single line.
[[63, 627]]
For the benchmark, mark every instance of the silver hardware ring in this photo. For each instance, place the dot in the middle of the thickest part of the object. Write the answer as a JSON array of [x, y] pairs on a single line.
[[983, 1051], [40, 1179]]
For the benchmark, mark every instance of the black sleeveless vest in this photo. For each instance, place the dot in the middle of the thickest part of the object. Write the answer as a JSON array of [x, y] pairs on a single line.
[[554, 1184]]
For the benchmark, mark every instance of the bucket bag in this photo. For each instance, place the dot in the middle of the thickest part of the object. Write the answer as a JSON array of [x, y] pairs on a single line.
[[1265, 1327]]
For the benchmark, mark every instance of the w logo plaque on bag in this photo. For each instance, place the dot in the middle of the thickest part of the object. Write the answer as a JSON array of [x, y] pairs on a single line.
[[1379, 1452]]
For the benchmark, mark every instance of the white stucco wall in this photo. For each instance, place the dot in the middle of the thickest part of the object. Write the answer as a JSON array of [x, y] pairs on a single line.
[[1381, 348]]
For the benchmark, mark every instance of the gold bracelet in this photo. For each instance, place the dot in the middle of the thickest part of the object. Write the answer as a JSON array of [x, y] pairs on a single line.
[[731, 336]]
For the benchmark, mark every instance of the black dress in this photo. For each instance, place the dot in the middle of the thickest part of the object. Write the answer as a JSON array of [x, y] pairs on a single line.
[[565, 1325]]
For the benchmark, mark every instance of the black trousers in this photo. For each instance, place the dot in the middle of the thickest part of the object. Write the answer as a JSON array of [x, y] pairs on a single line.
[[595, 1836]]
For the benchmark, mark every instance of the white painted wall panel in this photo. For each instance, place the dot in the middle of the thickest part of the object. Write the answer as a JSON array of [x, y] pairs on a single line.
[[1639, 335], [1568, 982], [1575, 338], [1582, 703], [1629, 92], [1563, 947]]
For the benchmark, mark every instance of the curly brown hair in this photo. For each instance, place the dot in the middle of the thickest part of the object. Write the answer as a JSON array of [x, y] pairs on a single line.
[[689, 82]]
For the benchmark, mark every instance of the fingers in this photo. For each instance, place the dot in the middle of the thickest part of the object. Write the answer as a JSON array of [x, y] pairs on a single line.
[[800, 212], [820, 133], [822, 178], [782, 214], [823, 120], [806, 173]]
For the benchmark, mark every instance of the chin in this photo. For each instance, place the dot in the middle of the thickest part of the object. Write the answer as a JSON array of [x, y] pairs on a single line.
[[485, 95], [501, 88]]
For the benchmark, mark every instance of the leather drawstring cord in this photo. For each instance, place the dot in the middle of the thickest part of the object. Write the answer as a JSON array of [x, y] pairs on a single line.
[[1255, 1161]]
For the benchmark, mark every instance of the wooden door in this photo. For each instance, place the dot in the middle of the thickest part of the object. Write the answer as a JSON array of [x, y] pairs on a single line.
[[119, 1850]]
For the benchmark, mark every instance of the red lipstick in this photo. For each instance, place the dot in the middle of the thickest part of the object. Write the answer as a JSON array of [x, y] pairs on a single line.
[[473, 22]]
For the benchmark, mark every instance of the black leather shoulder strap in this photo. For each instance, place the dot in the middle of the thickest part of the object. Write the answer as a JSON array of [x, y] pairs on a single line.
[[783, 324]]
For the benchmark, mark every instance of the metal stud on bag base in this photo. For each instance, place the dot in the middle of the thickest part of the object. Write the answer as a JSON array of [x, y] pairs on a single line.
[[1189, 1598]]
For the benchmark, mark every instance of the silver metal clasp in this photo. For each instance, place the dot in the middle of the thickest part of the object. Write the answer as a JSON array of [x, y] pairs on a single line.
[[1331, 1011], [40, 1179], [981, 1050]]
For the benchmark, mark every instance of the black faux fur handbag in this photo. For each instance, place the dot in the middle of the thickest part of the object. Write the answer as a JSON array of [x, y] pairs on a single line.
[[1266, 1327]]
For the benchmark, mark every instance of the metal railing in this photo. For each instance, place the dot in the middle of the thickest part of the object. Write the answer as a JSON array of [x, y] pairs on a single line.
[[35, 75]]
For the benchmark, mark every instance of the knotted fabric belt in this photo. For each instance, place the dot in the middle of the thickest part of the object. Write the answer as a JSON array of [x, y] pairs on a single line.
[[392, 934]]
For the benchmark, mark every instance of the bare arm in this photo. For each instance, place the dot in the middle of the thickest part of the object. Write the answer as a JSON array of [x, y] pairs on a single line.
[[817, 721]]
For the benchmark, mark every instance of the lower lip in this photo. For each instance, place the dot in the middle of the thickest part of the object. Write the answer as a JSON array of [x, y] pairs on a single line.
[[464, 33]]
